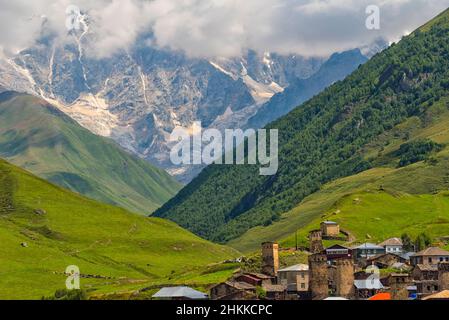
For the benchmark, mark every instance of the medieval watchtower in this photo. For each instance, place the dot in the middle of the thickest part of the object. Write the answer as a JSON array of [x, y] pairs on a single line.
[[318, 276], [270, 258], [344, 278], [316, 241]]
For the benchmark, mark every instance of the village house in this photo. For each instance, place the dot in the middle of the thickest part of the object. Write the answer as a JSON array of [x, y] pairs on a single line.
[[392, 245], [367, 250], [255, 279], [233, 290], [296, 278], [425, 278], [338, 252], [275, 292], [430, 256], [398, 284], [330, 229]]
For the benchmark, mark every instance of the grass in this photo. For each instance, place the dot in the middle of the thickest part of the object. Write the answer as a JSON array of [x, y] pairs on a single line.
[[42, 140], [62, 228], [392, 200]]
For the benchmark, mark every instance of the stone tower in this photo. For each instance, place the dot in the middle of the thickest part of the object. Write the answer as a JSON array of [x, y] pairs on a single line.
[[344, 278], [270, 258], [316, 241], [318, 276], [443, 276]]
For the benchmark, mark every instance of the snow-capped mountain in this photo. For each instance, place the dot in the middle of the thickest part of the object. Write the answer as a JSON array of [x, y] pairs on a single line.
[[138, 96]]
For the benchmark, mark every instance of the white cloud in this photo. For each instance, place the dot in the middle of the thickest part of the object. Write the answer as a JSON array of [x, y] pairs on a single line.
[[209, 28]]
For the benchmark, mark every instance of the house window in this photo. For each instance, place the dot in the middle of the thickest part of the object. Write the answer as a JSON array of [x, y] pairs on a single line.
[[441, 259], [447, 259], [430, 260], [303, 285], [429, 288]]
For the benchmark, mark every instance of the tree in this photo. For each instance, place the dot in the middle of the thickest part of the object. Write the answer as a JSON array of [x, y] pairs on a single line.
[[422, 242], [407, 242]]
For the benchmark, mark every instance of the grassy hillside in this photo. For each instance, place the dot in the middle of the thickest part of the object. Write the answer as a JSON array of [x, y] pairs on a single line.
[[325, 139], [382, 202], [126, 251], [39, 138]]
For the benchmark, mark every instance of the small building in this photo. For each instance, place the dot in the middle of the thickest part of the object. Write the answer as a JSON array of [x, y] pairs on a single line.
[[338, 252], [275, 291], [233, 290], [179, 293], [255, 279], [398, 284], [430, 256], [385, 260], [393, 245], [367, 250], [295, 278], [425, 278], [330, 229]]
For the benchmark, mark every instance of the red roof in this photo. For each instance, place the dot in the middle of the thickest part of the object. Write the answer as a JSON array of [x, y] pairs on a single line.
[[380, 296]]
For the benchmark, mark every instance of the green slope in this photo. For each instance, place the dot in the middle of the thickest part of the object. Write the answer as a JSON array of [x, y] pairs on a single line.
[[62, 228], [323, 140], [382, 202], [39, 138]]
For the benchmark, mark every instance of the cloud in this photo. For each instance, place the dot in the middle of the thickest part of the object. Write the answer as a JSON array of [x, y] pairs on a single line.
[[210, 28]]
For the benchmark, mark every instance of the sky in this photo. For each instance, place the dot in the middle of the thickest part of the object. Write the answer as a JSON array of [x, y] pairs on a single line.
[[217, 28]]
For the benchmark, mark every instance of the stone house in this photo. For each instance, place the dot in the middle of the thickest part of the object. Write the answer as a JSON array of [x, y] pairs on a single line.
[[425, 277], [233, 290], [295, 278], [430, 256], [330, 229]]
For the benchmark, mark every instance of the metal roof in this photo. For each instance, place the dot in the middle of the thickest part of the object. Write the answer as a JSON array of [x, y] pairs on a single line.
[[368, 284], [296, 267], [369, 246], [329, 222], [180, 292]]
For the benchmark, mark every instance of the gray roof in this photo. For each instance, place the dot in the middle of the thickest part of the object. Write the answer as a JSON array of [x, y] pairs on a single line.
[[407, 255], [329, 222], [368, 284], [296, 267], [180, 292], [369, 246]]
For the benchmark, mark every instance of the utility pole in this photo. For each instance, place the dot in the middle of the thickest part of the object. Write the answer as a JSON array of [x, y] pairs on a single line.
[[296, 240]]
